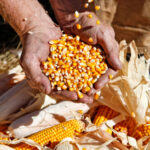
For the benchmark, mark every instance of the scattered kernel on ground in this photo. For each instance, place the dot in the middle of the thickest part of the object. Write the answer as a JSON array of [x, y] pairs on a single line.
[[73, 65]]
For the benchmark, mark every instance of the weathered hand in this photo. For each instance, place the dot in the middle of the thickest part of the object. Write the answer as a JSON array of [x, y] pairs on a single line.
[[103, 35], [36, 50]]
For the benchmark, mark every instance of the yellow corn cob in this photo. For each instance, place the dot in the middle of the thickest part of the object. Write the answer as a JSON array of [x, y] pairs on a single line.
[[52, 136], [3, 134], [126, 126], [103, 114], [142, 130], [73, 65]]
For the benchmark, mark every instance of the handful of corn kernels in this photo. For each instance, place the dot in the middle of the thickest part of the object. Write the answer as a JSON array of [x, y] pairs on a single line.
[[73, 65]]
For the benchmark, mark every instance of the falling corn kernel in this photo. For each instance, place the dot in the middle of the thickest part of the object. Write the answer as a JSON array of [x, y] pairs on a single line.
[[83, 148], [90, 15], [110, 76], [97, 21], [78, 26], [76, 14], [90, 1], [90, 39], [86, 5], [97, 7]]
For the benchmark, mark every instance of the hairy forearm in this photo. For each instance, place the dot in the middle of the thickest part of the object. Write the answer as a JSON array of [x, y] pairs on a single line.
[[24, 15]]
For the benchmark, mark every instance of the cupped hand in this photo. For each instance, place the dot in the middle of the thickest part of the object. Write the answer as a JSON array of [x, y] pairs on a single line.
[[102, 35], [36, 50]]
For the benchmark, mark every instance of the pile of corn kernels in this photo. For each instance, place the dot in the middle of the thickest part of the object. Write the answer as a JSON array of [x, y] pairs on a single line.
[[73, 65]]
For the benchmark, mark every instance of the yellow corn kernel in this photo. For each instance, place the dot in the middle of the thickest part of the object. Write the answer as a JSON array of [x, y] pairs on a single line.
[[80, 112], [83, 148], [133, 114], [53, 42], [110, 76], [71, 89], [55, 134], [87, 88], [97, 7], [109, 131], [96, 95], [104, 113], [97, 21], [94, 80], [90, 39], [76, 14], [90, 1], [86, 5], [80, 95], [64, 87], [90, 15], [78, 26]]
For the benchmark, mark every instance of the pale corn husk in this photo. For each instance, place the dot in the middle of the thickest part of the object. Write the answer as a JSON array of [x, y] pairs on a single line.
[[39, 101], [17, 78], [49, 116], [94, 140], [15, 98], [8, 81], [4, 147], [67, 144], [128, 92]]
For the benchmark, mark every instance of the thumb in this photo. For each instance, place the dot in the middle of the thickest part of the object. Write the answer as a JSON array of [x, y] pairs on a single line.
[[111, 49]]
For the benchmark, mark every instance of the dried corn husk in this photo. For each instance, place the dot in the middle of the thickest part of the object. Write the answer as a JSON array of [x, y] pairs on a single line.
[[8, 81], [39, 101], [4, 147], [47, 117], [15, 98], [128, 92], [95, 140]]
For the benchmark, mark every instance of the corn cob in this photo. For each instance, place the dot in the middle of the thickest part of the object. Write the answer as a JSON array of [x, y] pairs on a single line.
[[52, 136], [73, 65], [3, 134], [126, 126], [103, 114], [142, 130]]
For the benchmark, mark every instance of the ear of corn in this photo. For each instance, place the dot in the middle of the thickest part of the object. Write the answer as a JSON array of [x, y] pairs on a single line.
[[142, 130], [73, 65], [127, 126], [103, 114], [52, 136]]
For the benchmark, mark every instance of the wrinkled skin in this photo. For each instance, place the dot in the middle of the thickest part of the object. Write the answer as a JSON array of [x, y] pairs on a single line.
[[36, 50]]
